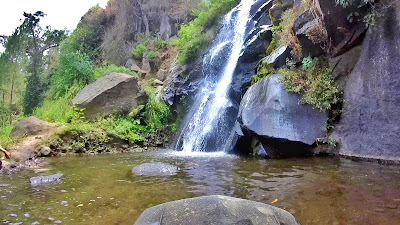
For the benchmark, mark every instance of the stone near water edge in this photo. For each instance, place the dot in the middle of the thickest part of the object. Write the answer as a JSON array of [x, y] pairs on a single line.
[[215, 209], [43, 180], [155, 169], [45, 151]]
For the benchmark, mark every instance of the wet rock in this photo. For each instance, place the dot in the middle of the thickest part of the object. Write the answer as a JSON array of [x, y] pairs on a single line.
[[277, 10], [113, 92], [256, 44], [43, 180], [279, 57], [370, 123], [215, 210], [31, 126], [278, 120], [12, 215], [45, 151], [155, 169]]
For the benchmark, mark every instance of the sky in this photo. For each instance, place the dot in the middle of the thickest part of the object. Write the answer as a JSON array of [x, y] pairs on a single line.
[[60, 13]]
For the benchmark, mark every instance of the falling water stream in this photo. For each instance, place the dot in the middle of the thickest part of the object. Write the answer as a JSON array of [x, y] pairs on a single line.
[[208, 129]]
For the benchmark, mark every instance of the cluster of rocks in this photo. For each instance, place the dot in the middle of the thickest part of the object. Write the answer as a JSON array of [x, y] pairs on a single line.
[[364, 62]]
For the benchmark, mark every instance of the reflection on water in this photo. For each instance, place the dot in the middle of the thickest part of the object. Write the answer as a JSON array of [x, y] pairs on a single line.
[[102, 189]]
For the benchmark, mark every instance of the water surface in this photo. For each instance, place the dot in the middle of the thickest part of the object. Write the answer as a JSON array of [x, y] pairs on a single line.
[[103, 190]]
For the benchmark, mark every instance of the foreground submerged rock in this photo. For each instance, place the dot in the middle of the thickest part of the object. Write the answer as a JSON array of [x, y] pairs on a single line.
[[44, 180], [113, 92], [278, 120], [155, 169], [216, 209]]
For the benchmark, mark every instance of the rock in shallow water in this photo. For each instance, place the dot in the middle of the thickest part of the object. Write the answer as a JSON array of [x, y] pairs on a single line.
[[155, 169], [43, 180], [216, 209]]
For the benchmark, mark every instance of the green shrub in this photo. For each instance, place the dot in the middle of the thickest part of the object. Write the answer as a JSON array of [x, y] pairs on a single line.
[[192, 36], [273, 45], [100, 71], [74, 67], [124, 127], [156, 112], [307, 63], [161, 44], [263, 70], [315, 84], [58, 109], [139, 50], [152, 55]]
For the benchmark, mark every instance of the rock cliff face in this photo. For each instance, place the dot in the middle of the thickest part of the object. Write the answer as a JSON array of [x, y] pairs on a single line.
[[370, 124]]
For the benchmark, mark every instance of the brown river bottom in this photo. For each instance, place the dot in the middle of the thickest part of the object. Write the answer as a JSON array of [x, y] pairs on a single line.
[[103, 190]]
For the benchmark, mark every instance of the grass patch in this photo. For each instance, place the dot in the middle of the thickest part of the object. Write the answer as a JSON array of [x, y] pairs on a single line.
[[139, 50], [5, 139], [262, 71], [100, 71], [193, 38]]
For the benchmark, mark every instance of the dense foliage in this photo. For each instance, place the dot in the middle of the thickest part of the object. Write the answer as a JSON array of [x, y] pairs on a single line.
[[194, 36]]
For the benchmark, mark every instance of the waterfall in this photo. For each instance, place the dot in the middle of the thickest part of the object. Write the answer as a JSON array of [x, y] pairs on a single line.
[[209, 125]]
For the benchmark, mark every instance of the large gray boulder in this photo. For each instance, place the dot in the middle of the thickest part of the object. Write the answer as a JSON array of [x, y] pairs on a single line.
[[370, 124], [215, 209], [113, 92], [268, 111]]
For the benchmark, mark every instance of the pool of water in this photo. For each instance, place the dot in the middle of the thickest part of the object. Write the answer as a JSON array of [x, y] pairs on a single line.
[[103, 190]]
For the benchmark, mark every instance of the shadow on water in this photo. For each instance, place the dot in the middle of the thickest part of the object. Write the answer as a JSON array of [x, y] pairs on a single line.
[[103, 190]]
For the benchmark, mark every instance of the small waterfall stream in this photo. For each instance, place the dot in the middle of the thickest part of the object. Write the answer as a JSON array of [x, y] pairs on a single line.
[[209, 127]]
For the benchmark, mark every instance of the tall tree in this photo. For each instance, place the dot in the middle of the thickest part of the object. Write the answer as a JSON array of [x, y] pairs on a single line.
[[36, 42]]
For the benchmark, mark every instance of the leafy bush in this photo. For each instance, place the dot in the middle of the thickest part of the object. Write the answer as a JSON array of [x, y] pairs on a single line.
[[74, 67], [139, 50], [192, 36], [263, 70], [315, 83], [152, 55], [273, 45], [100, 71], [156, 111], [59, 109], [161, 44], [307, 62]]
